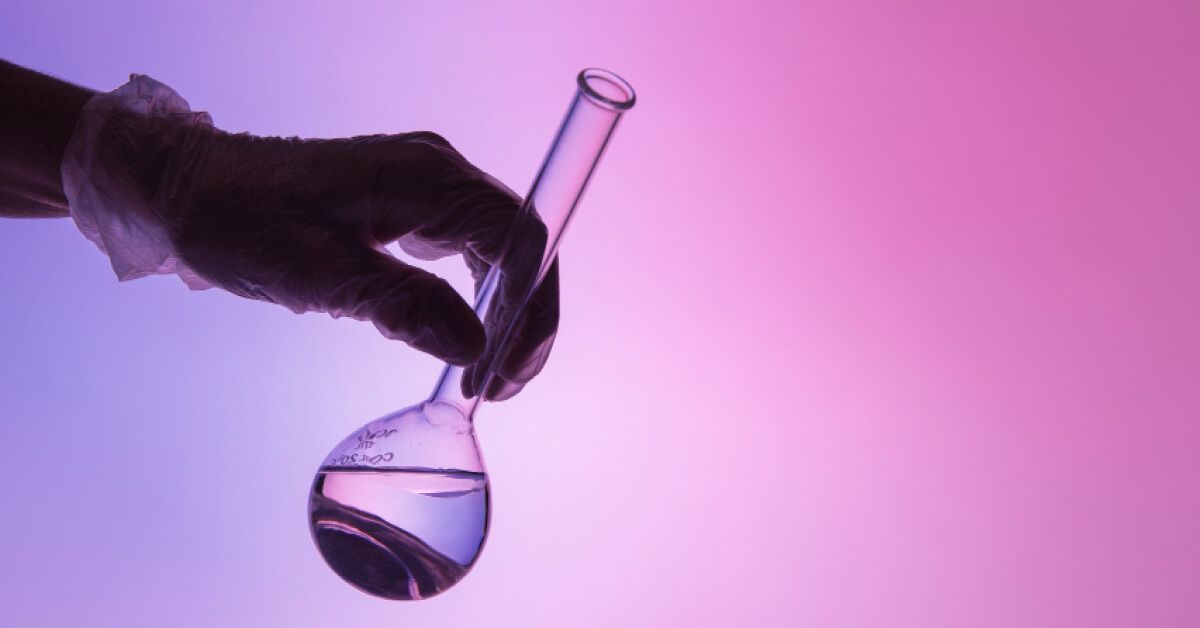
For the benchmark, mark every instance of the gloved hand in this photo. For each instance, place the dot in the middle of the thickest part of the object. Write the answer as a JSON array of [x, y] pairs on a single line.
[[302, 223]]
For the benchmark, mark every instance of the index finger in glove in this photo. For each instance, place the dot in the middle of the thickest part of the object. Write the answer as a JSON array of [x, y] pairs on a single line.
[[433, 202]]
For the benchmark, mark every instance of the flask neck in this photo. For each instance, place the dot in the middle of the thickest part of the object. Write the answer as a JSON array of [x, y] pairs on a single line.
[[600, 100], [449, 388]]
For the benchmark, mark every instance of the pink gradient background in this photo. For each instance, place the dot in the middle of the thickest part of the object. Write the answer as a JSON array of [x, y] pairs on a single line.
[[877, 314]]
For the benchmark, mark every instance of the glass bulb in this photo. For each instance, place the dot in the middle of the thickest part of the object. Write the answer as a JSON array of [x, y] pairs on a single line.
[[400, 507]]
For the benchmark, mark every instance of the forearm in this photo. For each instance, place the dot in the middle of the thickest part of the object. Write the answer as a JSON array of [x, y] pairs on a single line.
[[37, 116]]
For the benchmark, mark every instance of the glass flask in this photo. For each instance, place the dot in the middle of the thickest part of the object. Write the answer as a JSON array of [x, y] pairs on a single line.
[[399, 509]]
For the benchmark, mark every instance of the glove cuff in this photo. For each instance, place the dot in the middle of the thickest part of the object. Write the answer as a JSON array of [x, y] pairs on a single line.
[[110, 203]]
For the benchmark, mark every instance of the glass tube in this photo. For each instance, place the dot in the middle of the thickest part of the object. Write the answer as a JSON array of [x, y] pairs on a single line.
[[602, 97]]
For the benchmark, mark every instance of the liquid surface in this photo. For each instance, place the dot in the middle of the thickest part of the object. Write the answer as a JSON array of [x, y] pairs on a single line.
[[401, 534]]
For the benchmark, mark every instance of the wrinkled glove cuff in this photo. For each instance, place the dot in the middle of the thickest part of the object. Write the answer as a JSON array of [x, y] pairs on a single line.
[[109, 204]]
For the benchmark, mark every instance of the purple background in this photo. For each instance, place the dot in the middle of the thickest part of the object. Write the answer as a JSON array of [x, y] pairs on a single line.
[[874, 316]]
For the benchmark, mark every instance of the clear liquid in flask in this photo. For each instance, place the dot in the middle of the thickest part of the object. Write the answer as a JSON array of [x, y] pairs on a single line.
[[401, 534]]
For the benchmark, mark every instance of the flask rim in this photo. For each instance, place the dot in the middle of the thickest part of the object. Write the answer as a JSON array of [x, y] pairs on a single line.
[[606, 89]]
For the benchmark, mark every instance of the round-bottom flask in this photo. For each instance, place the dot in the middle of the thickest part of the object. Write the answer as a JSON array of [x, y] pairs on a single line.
[[399, 509]]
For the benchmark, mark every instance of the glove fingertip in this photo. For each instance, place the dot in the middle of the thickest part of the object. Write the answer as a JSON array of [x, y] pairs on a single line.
[[433, 319], [461, 335], [503, 390]]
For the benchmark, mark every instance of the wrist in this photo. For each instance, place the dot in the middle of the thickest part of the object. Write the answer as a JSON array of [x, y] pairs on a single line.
[[123, 166]]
